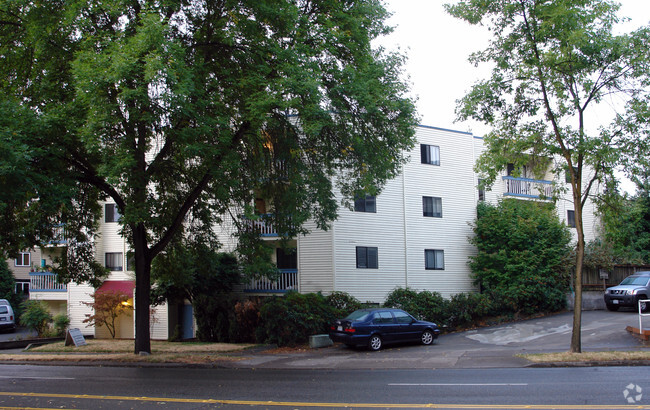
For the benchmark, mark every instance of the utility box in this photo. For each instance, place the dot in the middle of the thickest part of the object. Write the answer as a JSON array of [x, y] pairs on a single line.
[[316, 341]]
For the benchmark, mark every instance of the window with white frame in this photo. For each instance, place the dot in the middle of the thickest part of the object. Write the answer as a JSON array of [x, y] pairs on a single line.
[[434, 259], [430, 154], [23, 259], [114, 261], [111, 213], [365, 203], [432, 206], [367, 257]]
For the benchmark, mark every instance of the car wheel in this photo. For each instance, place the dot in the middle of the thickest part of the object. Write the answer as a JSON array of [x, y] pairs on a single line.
[[427, 337], [375, 342], [612, 308]]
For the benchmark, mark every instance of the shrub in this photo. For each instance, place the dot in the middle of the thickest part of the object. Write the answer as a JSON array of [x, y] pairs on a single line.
[[343, 303], [214, 315], [36, 316], [247, 319], [291, 319], [466, 309], [424, 305], [522, 255], [61, 323]]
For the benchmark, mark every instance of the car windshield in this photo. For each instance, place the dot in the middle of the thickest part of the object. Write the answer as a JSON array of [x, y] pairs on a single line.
[[3, 309], [637, 281], [358, 315]]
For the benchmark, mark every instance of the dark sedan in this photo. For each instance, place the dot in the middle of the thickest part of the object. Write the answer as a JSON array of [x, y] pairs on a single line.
[[376, 327]]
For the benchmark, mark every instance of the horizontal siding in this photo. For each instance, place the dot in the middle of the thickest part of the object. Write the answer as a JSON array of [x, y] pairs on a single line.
[[315, 264], [77, 311], [383, 230], [455, 183]]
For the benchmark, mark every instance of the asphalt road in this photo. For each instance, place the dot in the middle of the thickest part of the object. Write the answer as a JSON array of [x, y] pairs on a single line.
[[181, 388]]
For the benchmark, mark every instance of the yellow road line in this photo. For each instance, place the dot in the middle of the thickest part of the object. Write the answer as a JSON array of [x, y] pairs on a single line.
[[338, 405]]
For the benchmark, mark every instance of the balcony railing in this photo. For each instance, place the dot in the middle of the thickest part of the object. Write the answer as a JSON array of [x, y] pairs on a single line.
[[288, 280], [528, 188], [45, 282], [262, 226]]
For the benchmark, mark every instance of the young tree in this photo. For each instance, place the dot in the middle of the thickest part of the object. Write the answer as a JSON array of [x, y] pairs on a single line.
[[553, 62], [175, 110], [107, 307]]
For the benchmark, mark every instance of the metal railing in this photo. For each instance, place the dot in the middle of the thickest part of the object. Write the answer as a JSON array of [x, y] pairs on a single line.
[[641, 314], [288, 280], [528, 188], [45, 282]]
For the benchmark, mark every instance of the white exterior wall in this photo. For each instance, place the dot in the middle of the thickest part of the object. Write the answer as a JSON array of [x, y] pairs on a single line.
[[453, 181], [383, 230], [316, 261]]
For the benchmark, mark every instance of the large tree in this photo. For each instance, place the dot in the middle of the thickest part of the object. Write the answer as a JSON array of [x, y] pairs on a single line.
[[553, 62], [176, 110]]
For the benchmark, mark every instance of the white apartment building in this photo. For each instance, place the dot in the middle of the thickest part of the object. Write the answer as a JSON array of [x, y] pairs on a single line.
[[413, 234]]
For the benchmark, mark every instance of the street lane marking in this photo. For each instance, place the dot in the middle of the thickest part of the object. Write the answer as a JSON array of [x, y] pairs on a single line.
[[458, 384], [335, 405]]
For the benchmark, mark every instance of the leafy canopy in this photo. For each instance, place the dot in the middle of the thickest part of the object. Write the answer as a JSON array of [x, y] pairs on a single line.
[[183, 112]]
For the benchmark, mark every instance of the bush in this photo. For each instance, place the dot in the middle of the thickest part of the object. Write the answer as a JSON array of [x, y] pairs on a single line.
[[523, 250], [214, 315], [61, 323], [36, 316], [465, 309], [343, 304], [247, 319], [425, 305], [290, 320]]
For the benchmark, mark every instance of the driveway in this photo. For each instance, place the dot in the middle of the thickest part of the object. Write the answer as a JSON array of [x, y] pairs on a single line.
[[494, 346]]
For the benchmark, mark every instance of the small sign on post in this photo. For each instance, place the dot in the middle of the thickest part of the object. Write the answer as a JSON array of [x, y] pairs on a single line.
[[74, 336]]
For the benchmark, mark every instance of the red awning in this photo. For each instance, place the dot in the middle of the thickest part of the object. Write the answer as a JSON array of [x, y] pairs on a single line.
[[122, 286]]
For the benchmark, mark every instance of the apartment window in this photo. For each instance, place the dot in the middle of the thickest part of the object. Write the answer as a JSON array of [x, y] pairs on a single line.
[[367, 257], [434, 259], [111, 214], [567, 174], [430, 154], [481, 190], [23, 259], [367, 203], [571, 218], [114, 261], [432, 206]]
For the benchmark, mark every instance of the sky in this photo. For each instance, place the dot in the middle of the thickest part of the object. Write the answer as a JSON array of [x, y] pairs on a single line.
[[438, 45]]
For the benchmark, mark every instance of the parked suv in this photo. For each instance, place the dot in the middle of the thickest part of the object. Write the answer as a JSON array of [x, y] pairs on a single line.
[[6, 316], [628, 293]]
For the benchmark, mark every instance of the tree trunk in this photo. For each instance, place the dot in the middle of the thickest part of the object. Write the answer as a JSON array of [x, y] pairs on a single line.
[[576, 338], [142, 291]]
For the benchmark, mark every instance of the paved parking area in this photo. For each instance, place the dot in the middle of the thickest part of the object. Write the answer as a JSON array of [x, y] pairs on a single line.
[[494, 346]]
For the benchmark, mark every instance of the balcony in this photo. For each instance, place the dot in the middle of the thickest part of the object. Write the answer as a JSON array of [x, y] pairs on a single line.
[[59, 238], [288, 280], [528, 188], [263, 226], [45, 282]]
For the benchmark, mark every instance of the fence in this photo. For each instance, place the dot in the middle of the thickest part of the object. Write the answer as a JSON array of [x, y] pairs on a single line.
[[592, 280]]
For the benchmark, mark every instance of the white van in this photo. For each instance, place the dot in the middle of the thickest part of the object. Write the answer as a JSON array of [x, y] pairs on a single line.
[[6, 316]]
